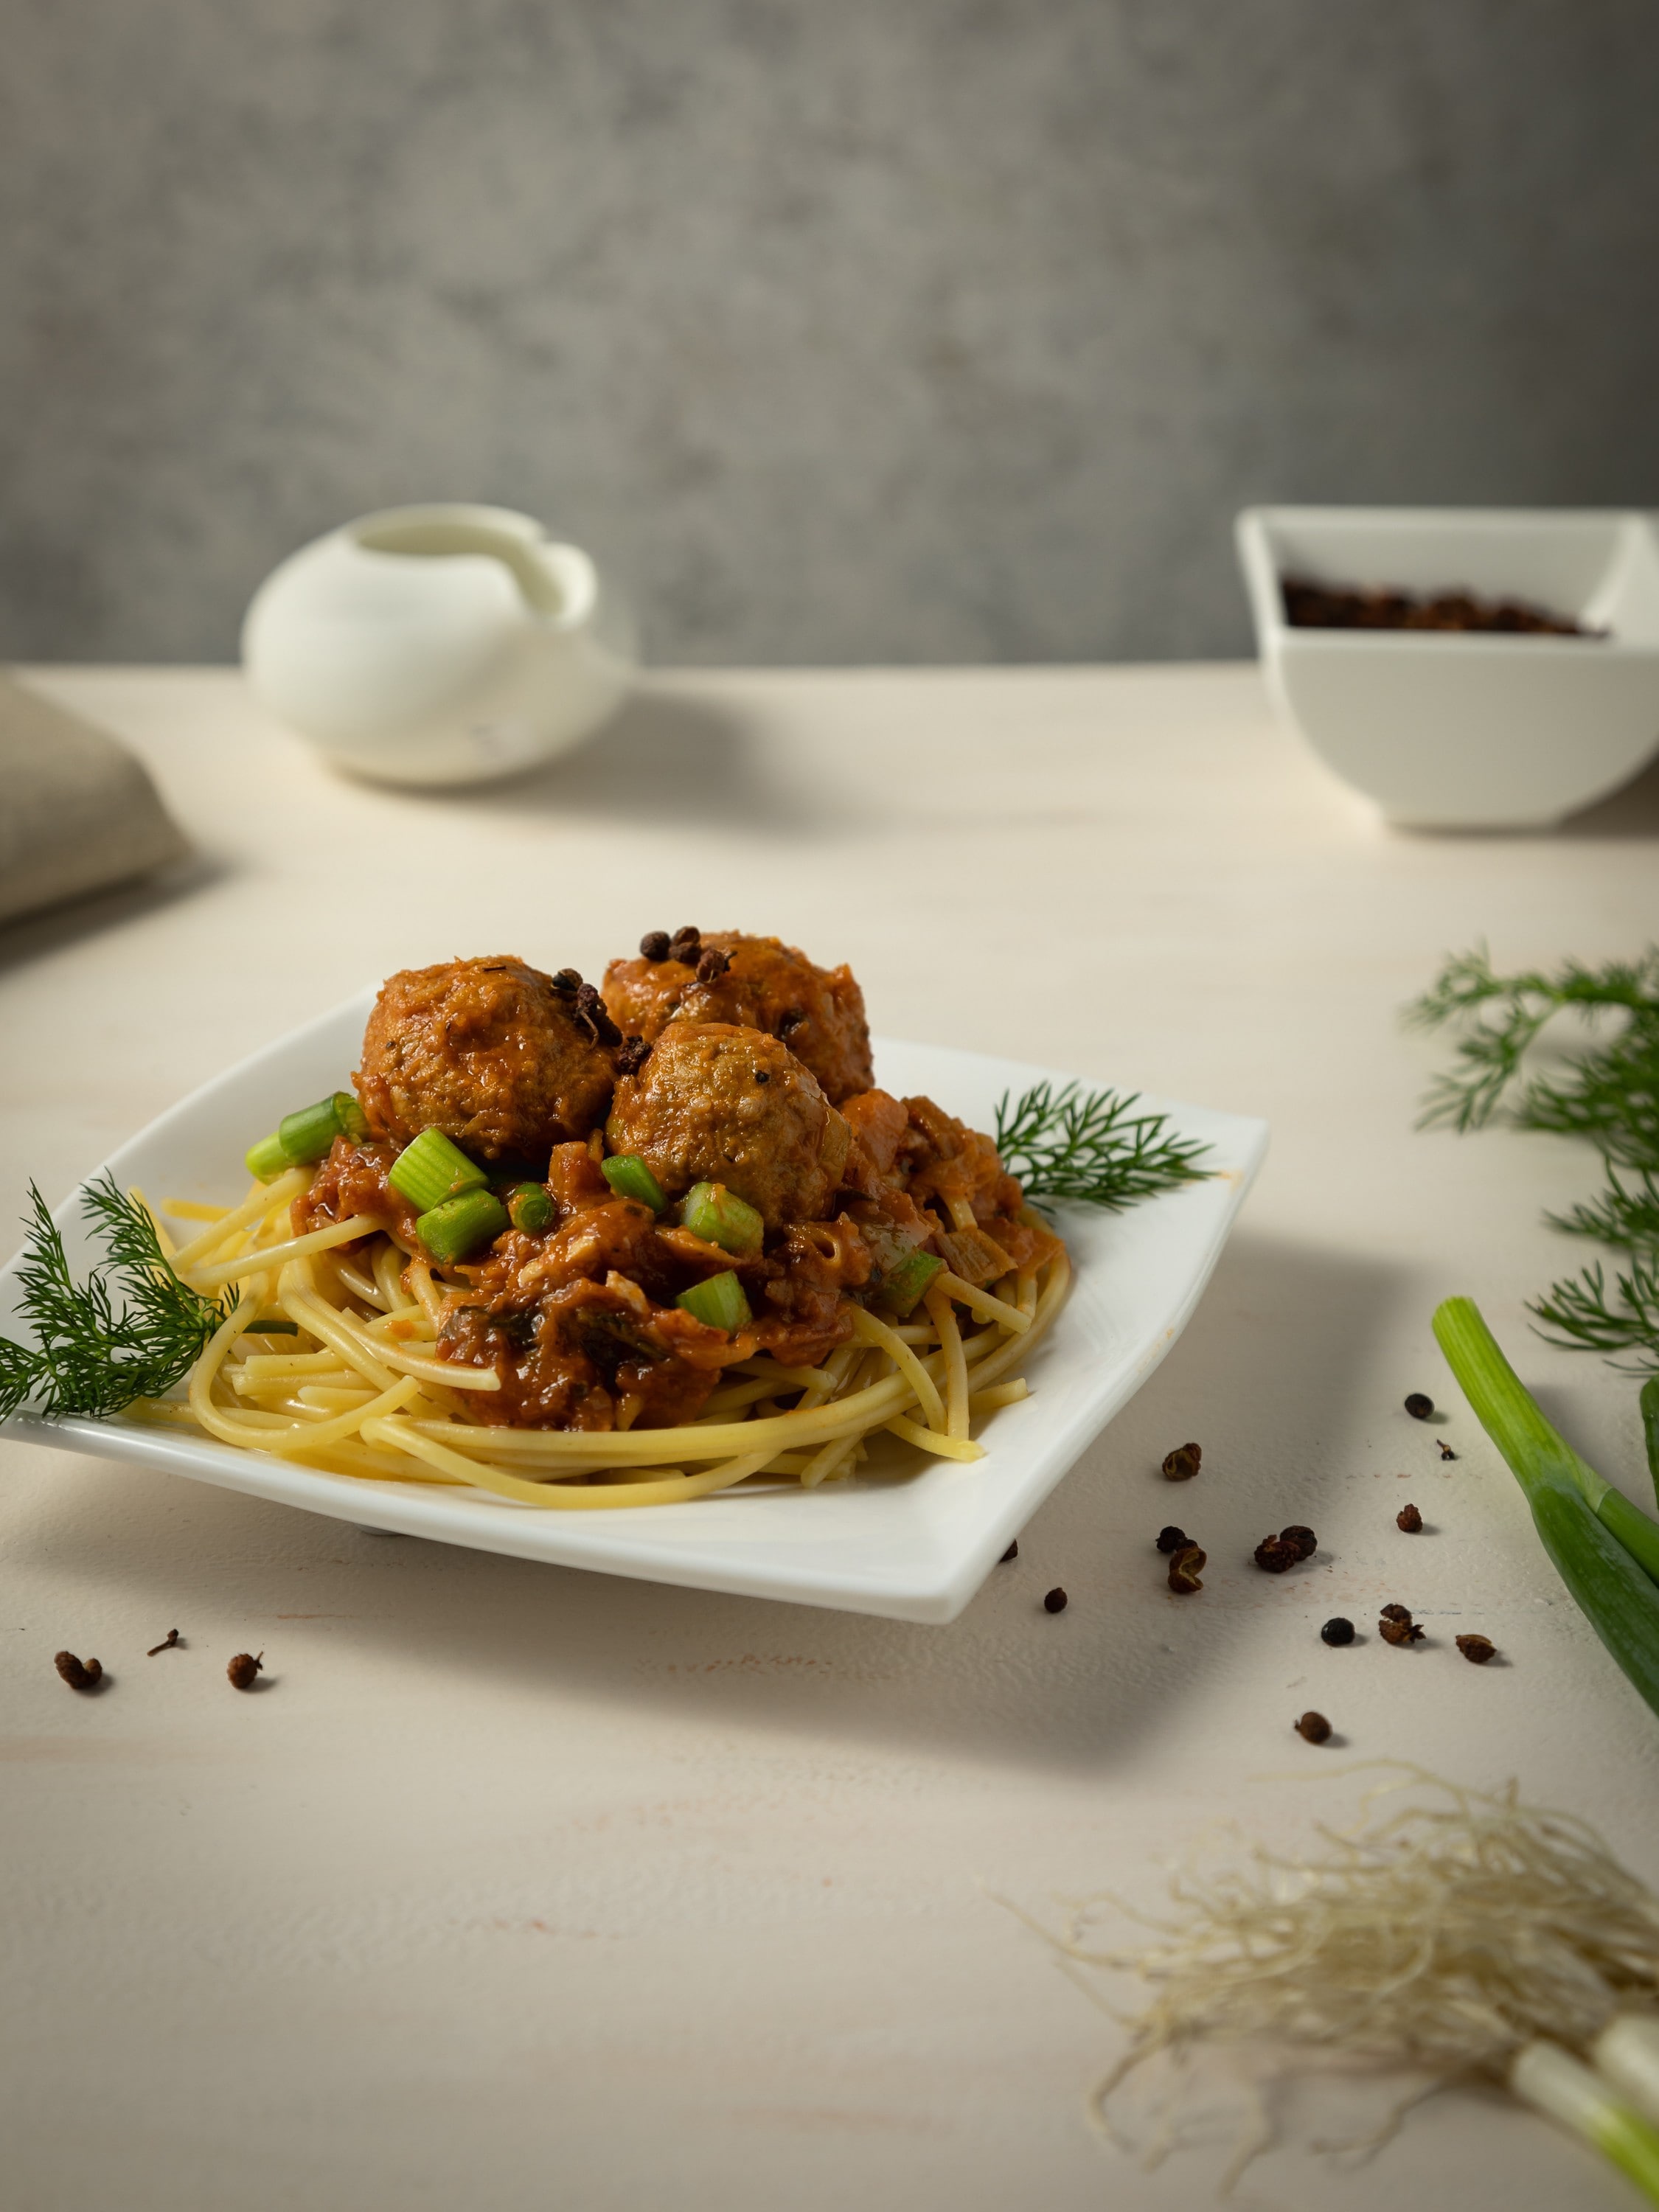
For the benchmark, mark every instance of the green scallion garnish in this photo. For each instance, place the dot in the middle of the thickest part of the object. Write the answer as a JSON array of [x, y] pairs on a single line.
[[266, 1160], [530, 1208], [719, 1217], [629, 1177], [1601, 1544], [460, 1225], [718, 1301], [308, 1135], [432, 1169], [904, 1286]]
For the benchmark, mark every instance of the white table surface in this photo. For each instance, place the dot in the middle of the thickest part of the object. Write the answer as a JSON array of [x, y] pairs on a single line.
[[520, 1888]]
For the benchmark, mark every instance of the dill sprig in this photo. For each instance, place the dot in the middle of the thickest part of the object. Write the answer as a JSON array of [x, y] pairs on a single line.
[[1611, 1092], [129, 1331], [1581, 1314], [1091, 1146], [1607, 1091]]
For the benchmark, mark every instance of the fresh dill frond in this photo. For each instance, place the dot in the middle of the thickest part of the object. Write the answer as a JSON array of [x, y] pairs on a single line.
[[1611, 1094], [129, 1331], [1624, 1218], [1582, 1315], [1092, 1147]]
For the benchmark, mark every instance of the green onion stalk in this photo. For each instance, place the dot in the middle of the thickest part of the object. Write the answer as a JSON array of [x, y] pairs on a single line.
[[1583, 2099], [1605, 1549]]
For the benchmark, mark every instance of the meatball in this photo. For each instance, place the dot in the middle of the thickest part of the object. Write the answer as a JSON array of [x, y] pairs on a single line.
[[489, 1051], [715, 1102], [766, 985]]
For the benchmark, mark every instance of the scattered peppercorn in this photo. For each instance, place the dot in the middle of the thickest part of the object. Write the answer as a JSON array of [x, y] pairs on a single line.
[[1446, 1451], [686, 945], [1275, 1557], [1182, 1463], [567, 982], [1309, 605], [1337, 1631], [1055, 1601], [1304, 1540], [78, 1677], [653, 946], [592, 1014], [1409, 1519], [711, 965], [1172, 1540], [1185, 1568], [1477, 1650], [632, 1055], [1012, 1552], [1313, 1728], [1395, 1625], [243, 1669], [166, 1644], [1419, 1407]]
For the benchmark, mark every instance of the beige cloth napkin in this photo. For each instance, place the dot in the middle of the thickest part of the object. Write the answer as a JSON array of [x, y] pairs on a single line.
[[77, 811]]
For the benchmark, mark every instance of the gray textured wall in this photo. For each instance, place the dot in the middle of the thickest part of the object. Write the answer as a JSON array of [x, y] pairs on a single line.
[[849, 329]]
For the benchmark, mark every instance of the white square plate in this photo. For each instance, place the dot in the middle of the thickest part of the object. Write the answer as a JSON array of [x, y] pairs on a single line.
[[913, 1546]]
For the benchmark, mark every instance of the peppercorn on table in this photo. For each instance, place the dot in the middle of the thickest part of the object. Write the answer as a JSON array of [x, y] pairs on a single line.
[[504, 1884]]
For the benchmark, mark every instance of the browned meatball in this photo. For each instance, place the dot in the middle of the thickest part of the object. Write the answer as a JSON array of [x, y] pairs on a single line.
[[766, 985], [487, 1051], [718, 1103]]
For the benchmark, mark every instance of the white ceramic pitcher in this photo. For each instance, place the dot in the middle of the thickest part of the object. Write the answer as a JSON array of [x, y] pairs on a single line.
[[438, 644]]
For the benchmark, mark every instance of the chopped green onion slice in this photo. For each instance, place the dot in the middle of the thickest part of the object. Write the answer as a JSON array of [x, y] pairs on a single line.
[[718, 1301], [267, 1326], [432, 1169], [267, 1160], [461, 1224], [902, 1289], [719, 1217], [308, 1135], [530, 1208], [629, 1177]]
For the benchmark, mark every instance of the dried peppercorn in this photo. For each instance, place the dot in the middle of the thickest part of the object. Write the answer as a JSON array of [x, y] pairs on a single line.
[[1172, 1538], [1446, 1451], [1477, 1650], [633, 1054], [1304, 1538], [1182, 1463], [79, 1676], [1337, 1631], [1409, 1519], [243, 1669], [1056, 1601], [653, 946], [1395, 1625], [1313, 1728], [1185, 1569], [1012, 1552], [711, 964], [167, 1644], [593, 1016], [686, 945], [1274, 1558], [1419, 1407], [567, 982]]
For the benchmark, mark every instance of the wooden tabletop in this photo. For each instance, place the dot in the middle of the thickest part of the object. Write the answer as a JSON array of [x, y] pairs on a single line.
[[519, 1886]]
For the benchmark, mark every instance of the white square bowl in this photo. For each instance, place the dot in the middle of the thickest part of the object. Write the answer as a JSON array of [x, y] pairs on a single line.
[[913, 1541], [1476, 730]]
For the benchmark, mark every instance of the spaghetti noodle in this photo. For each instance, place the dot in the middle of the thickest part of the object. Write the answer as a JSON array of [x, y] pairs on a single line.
[[356, 1388]]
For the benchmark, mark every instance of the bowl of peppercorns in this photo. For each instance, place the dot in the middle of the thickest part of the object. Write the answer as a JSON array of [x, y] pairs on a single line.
[[1462, 668]]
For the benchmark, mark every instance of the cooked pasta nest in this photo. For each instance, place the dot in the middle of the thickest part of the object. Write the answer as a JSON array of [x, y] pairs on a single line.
[[353, 1384]]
